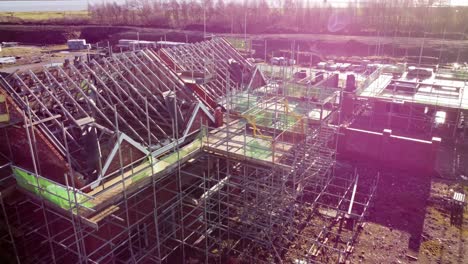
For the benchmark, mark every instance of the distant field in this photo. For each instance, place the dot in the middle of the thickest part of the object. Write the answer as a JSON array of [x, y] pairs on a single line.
[[24, 51], [35, 54], [45, 15], [238, 43]]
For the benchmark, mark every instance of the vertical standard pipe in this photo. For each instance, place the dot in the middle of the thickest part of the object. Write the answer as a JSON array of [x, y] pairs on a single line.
[[28, 124], [76, 226], [353, 195], [15, 251], [132, 255]]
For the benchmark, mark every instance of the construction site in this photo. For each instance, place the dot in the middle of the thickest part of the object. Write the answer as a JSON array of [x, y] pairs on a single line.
[[193, 153]]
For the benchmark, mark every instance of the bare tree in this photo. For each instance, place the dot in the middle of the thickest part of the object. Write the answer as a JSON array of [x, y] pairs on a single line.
[[396, 17]]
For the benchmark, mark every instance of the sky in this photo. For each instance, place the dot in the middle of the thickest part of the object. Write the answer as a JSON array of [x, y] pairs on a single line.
[[71, 5]]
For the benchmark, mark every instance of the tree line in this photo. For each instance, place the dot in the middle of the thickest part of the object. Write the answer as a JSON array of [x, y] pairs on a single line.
[[369, 17]]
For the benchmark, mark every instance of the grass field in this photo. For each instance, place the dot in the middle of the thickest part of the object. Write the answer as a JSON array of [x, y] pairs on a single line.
[[239, 43], [37, 16], [33, 54], [25, 51]]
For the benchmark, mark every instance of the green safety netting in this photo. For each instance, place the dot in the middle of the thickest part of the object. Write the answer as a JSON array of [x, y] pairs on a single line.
[[259, 149], [64, 198], [296, 90], [243, 103], [49, 190], [166, 161], [144, 172]]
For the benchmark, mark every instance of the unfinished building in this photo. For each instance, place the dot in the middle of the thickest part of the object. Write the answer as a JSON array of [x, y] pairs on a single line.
[[420, 106], [412, 112], [185, 154]]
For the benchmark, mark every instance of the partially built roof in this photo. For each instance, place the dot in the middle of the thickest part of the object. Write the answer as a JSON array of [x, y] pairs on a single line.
[[212, 69], [430, 91], [144, 102]]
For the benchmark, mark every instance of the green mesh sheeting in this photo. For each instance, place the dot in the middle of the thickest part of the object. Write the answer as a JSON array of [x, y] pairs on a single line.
[[144, 172], [183, 152], [167, 161], [461, 75], [264, 119], [259, 150], [243, 103], [296, 90], [283, 120], [49, 190], [64, 198], [303, 91]]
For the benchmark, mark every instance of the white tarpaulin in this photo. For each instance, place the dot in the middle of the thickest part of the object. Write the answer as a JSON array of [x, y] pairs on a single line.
[[7, 60]]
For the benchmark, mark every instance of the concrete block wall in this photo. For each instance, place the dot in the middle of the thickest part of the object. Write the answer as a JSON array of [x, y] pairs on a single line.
[[388, 149]]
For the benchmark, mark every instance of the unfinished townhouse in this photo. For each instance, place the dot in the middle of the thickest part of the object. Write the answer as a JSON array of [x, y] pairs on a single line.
[[185, 154]]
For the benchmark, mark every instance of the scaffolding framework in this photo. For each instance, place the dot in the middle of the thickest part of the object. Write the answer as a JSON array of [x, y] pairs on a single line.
[[169, 187], [436, 106]]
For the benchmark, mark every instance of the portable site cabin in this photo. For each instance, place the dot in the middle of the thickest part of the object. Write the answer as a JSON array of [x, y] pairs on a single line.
[[78, 44]]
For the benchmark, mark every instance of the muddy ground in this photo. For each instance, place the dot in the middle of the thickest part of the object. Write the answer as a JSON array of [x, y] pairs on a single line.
[[410, 219]]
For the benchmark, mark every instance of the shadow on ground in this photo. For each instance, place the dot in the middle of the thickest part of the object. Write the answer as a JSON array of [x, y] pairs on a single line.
[[400, 201]]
